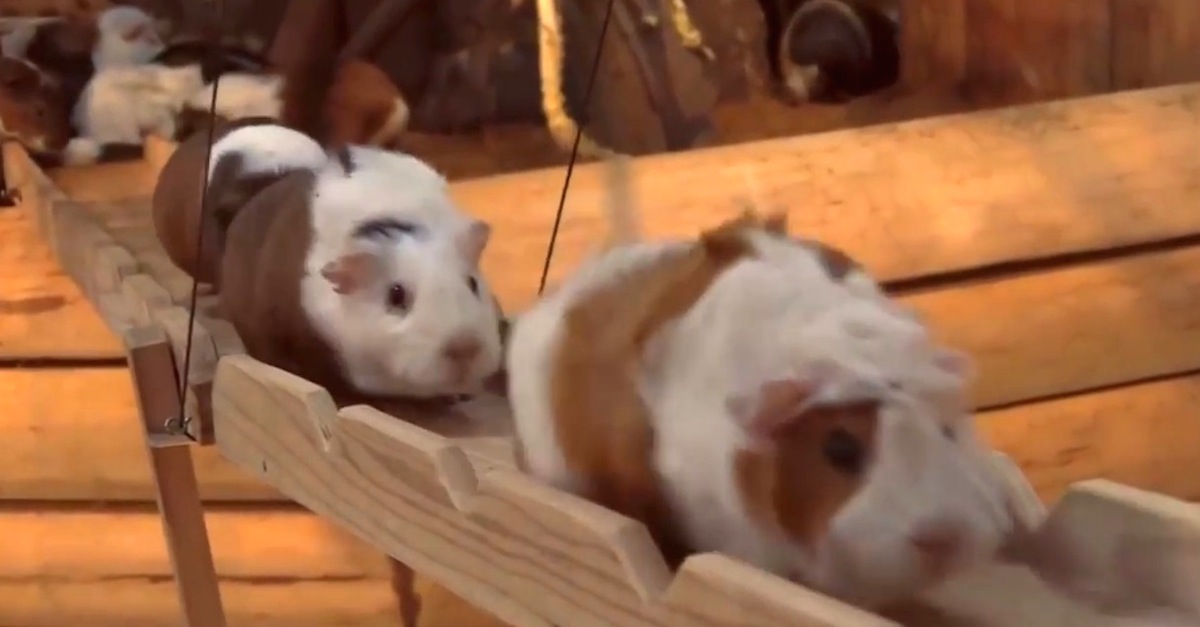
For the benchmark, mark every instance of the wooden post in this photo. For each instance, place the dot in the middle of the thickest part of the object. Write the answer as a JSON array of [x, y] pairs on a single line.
[[152, 366]]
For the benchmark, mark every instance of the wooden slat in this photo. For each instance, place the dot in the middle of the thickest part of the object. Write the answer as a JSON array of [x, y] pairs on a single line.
[[152, 603], [257, 544], [42, 312], [1156, 43], [106, 181], [1048, 333], [912, 199], [1141, 435], [74, 435]]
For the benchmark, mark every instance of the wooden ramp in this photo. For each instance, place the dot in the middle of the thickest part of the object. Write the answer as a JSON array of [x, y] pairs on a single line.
[[1058, 243]]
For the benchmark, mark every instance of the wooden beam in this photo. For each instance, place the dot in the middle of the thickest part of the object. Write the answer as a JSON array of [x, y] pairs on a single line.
[[1142, 435], [913, 199]]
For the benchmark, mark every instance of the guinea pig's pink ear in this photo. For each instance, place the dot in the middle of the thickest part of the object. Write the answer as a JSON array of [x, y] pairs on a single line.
[[350, 272], [767, 408], [473, 240]]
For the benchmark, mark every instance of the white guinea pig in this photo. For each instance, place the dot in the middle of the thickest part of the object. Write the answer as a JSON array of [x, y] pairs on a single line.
[[751, 394], [363, 276]]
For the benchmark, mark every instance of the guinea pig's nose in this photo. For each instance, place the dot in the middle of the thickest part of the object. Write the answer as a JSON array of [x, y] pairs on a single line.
[[937, 543], [462, 349]]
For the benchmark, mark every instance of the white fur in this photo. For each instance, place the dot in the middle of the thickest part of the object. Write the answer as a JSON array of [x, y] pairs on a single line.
[[241, 95], [382, 351], [773, 315], [81, 151], [124, 104], [267, 148], [112, 50]]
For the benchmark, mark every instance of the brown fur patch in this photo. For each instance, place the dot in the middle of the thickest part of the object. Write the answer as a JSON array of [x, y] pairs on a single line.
[[793, 488], [177, 212], [836, 262], [260, 284], [360, 102], [32, 107], [603, 427]]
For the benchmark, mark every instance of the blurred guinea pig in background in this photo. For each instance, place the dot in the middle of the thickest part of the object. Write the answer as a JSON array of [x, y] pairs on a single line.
[[33, 110]]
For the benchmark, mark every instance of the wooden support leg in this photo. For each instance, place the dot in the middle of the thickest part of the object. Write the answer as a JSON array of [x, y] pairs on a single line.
[[404, 585], [152, 365]]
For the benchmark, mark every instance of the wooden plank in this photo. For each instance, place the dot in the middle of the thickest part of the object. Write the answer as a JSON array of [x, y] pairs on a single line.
[[1155, 43], [249, 544], [1081, 327], [106, 181], [151, 603], [73, 434], [43, 314], [1141, 435], [911, 199]]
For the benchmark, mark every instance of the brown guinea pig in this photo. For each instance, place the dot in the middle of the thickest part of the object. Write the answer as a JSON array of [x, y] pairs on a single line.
[[247, 155], [833, 50], [32, 108], [363, 106]]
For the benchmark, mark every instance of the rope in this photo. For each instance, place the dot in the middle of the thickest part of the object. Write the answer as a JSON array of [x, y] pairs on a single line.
[[178, 425], [562, 127], [553, 78]]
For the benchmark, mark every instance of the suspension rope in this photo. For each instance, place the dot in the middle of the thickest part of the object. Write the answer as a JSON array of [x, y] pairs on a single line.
[[551, 87], [178, 425]]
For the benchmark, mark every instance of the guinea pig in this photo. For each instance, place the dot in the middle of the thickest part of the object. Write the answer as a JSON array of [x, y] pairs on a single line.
[[247, 156], [363, 276], [32, 108], [738, 394], [364, 106], [127, 36], [831, 51]]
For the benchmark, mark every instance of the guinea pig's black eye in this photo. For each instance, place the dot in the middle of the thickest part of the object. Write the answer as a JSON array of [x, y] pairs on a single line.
[[948, 432], [844, 452], [473, 284], [397, 297]]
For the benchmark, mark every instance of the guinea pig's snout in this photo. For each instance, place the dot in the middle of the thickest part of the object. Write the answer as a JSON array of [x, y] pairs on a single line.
[[938, 544], [461, 351]]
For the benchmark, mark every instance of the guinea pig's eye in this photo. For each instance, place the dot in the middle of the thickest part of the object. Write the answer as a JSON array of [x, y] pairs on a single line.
[[948, 432], [473, 285], [397, 297], [844, 452]]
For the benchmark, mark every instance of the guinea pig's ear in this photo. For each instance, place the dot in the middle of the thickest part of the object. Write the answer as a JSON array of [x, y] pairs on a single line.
[[473, 240], [776, 222], [767, 408], [351, 272]]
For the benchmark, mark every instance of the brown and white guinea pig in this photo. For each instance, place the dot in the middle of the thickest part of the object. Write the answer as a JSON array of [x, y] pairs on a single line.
[[833, 50], [247, 156], [364, 277], [754, 395], [32, 108]]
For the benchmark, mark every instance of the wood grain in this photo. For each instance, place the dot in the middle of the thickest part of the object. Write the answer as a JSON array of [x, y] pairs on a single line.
[[42, 312], [73, 434], [105, 181], [1141, 435], [933, 43], [1156, 43], [249, 544], [141, 602], [913, 199], [1045, 333]]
